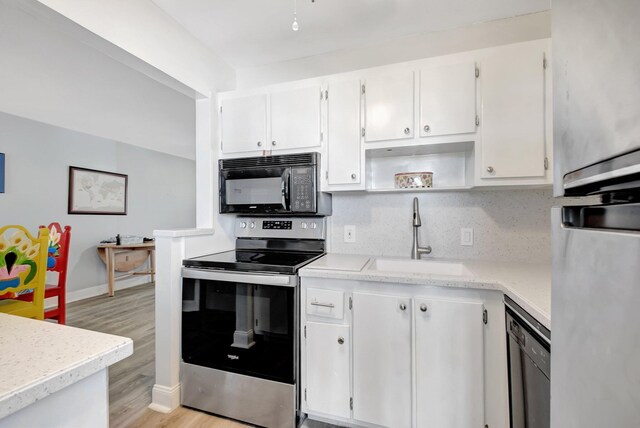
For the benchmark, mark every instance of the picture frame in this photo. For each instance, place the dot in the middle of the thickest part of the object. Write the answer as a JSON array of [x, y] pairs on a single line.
[[92, 191]]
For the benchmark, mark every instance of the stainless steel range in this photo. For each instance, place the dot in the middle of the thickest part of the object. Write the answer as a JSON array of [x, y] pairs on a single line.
[[240, 321]]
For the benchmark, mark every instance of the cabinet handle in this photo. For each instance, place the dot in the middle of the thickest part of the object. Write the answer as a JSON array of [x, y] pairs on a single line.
[[324, 305], [273, 143], [403, 306], [490, 169], [407, 131], [427, 128], [259, 143], [423, 307], [341, 340], [353, 176]]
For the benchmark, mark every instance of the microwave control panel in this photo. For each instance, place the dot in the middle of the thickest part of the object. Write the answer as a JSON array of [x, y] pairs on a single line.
[[303, 192]]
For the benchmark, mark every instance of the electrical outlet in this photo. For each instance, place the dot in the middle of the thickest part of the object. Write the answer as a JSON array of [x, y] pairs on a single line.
[[466, 236], [349, 233]]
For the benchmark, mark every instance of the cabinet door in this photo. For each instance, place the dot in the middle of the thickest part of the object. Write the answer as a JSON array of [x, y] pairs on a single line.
[[382, 360], [244, 124], [448, 100], [328, 375], [389, 102], [295, 118], [449, 364], [343, 134], [512, 126]]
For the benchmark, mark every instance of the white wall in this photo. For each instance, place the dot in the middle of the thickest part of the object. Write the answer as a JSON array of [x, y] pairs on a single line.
[[144, 30], [53, 78], [509, 225], [161, 189], [482, 35]]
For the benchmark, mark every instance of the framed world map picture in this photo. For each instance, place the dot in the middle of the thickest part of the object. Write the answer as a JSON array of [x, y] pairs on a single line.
[[97, 192]]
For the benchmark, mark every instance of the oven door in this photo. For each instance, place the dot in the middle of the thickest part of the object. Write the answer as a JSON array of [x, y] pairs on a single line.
[[241, 323], [255, 190]]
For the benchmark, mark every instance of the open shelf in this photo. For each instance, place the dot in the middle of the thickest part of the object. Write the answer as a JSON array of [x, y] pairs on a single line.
[[451, 164], [420, 190]]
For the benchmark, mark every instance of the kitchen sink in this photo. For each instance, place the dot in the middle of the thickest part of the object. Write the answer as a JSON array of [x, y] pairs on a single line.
[[427, 267]]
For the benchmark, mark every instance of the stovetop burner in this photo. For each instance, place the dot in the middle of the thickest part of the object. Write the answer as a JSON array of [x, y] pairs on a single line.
[[254, 261]]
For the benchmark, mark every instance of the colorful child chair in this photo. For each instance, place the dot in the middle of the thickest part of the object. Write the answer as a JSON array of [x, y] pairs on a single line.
[[57, 260], [23, 266]]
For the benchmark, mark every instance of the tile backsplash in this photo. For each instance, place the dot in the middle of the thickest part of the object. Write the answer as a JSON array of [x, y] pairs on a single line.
[[508, 225]]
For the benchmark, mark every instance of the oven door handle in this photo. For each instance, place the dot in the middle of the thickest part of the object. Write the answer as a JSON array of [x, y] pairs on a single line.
[[244, 277]]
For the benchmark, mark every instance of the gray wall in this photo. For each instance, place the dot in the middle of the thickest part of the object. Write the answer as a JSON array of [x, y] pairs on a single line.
[[508, 225], [53, 74], [161, 193]]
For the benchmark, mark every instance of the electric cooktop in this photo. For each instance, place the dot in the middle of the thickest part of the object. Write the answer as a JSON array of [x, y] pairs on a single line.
[[254, 261]]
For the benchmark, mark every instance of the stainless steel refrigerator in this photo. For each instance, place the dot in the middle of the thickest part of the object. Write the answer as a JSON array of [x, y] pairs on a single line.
[[595, 316]]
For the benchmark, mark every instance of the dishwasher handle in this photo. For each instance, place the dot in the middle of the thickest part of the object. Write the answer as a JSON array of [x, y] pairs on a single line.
[[516, 332]]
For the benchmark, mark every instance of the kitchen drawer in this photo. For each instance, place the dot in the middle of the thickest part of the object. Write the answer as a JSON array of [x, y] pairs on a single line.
[[325, 303]]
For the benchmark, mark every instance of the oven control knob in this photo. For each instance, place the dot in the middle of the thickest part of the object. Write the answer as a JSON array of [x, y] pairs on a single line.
[[252, 225], [303, 225], [243, 225]]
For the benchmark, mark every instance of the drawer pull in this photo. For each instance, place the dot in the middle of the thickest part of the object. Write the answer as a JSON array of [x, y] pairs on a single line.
[[324, 305]]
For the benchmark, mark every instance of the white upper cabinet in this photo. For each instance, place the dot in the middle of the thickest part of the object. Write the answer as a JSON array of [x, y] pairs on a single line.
[[244, 124], [295, 118], [449, 355], [389, 106], [496, 125], [513, 112], [448, 100], [344, 153], [283, 120]]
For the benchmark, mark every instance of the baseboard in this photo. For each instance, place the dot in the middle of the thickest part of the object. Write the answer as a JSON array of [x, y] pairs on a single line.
[[98, 290], [165, 399]]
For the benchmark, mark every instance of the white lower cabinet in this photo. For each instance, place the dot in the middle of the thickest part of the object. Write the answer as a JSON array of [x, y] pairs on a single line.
[[449, 349], [404, 355], [328, 374], [382, 359]]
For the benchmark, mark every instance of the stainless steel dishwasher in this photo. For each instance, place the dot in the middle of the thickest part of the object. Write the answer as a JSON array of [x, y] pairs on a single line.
[[529, 357]]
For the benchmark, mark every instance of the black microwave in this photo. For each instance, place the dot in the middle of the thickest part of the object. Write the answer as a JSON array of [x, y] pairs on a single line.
[[273, 185]]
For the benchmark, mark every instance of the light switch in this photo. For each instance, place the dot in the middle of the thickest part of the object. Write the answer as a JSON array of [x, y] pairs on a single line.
[[466, 236], [349, 233]]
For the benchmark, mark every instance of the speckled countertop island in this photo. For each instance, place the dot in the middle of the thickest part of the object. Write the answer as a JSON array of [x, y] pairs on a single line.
[[529, 285], [39, 358]]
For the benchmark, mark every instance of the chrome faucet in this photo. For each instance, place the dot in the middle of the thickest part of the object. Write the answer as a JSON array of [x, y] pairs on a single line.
[[416, 250]]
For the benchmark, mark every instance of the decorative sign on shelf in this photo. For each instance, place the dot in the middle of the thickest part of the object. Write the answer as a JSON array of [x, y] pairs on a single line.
[[97, 192], [1, 172]]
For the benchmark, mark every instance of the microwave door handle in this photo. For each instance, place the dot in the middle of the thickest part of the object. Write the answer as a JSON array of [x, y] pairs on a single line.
[[285, 190]]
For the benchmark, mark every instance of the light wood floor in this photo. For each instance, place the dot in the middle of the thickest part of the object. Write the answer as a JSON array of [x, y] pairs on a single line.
[[131, 313]]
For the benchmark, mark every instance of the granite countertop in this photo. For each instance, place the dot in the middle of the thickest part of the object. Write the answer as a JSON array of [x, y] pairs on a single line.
[[39, 358], [529, 285]]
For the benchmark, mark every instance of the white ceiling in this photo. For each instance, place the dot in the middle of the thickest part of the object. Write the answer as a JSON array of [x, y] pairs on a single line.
[[248, 33]]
